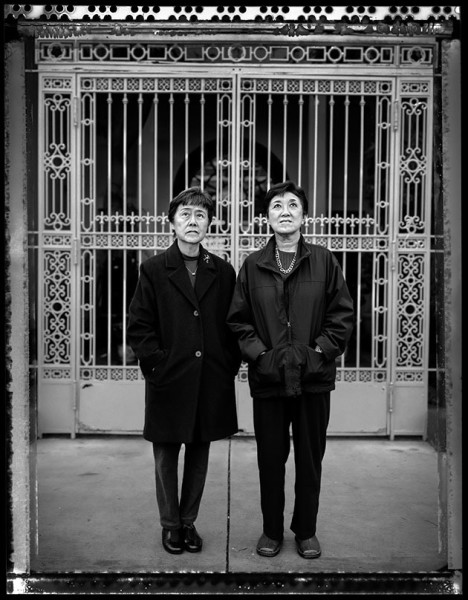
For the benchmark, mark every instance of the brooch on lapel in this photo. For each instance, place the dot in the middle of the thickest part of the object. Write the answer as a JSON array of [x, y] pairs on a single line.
[[206, 258]]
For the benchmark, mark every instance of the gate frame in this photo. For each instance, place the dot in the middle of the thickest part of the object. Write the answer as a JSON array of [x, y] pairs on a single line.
[[394, 391]]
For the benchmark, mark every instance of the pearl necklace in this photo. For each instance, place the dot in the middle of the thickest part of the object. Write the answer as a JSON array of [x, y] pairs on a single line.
[[280, 266]]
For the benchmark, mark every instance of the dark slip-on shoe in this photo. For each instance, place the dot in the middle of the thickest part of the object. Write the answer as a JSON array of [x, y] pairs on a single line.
[[309, 548], [268, 547]]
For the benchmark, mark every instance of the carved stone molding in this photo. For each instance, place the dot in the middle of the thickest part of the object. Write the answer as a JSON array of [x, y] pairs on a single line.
[[61, 21]]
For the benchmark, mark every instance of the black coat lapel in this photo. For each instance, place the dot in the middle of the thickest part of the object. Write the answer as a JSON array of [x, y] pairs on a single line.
[[177, 273], [206, 273]]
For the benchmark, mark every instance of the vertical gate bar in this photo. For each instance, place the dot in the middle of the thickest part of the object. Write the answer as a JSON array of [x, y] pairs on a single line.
[[225, 149], [377, 185], [227, 228], [171, 144], [75, 147], [235, 121], [140, 152], [315, 167], [331, 103], [108, 227], [202, 140], [375, 259], [270, 102], [393, 190], [124, 207], [223, 133], [358, 308], [124, 307], [346, 168], [299, 142], [233, 167], [247, 208], [125, 156], [285, 133], [375, 254], [109, 304], [227, 99], [240, 149], [253, 115], [124, 228], [362, 104], [155, 160], [345, 193], [109, 210], [219, 145], [109, 152], [92, 253], [245, 163], [186, 141]]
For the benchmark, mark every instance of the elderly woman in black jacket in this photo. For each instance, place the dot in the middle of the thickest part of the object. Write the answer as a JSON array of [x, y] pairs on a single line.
[[189, 358], [293, 315]]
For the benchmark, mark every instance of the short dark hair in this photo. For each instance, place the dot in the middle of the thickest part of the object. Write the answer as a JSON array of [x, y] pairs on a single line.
[[193, 196], [279, 189]]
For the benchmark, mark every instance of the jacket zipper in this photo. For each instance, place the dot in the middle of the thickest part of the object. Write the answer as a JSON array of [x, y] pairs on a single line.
[[286, 306], [289, 333]]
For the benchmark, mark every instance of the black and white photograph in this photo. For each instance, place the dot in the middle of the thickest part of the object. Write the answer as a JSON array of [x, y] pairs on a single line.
[[233, 299]]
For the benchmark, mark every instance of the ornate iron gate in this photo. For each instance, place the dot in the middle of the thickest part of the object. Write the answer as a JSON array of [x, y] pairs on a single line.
[[115, 149]]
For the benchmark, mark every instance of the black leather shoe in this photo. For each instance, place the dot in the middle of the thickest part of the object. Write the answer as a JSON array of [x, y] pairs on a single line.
[[173, 540], [192, 541], [309, 548]]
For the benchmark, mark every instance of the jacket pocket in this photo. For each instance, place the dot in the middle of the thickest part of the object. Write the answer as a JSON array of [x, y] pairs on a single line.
[[269, 368], [316, 369], [156, 374]]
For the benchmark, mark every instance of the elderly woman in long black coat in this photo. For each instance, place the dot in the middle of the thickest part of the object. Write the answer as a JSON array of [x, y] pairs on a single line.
[[189, 358]]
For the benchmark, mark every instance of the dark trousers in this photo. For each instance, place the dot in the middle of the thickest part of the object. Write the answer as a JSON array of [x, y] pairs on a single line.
[[172, 512], [308, 415]]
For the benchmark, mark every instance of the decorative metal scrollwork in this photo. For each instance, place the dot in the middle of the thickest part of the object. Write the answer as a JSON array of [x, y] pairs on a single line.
[[57, 307]]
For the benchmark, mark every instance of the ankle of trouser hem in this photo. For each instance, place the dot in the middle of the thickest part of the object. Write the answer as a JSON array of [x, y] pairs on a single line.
[[273, 537], [171, 527], [303, 538]]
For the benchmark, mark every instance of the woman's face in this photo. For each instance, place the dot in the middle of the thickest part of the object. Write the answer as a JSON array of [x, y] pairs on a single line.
[[285, 213], [190, 224]]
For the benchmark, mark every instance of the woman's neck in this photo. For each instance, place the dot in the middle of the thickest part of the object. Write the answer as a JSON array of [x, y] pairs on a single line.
[[288, 242], [189, 249]]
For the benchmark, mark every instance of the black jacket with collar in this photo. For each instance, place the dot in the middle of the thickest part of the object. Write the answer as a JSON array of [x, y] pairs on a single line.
[[287, 318], [188, 355]]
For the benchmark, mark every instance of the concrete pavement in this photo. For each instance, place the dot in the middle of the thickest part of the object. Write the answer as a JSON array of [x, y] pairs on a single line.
[[97, 509]]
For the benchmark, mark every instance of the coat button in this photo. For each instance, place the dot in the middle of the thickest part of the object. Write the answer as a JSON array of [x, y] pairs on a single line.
[[195, 313], [198, 353]]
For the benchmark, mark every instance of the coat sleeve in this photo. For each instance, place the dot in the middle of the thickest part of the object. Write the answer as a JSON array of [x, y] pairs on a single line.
[[233, 346], [339, 313], [240, 320], [143, 325]]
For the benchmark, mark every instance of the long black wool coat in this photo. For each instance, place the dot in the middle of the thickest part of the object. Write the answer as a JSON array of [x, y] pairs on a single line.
[[186, 352]]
